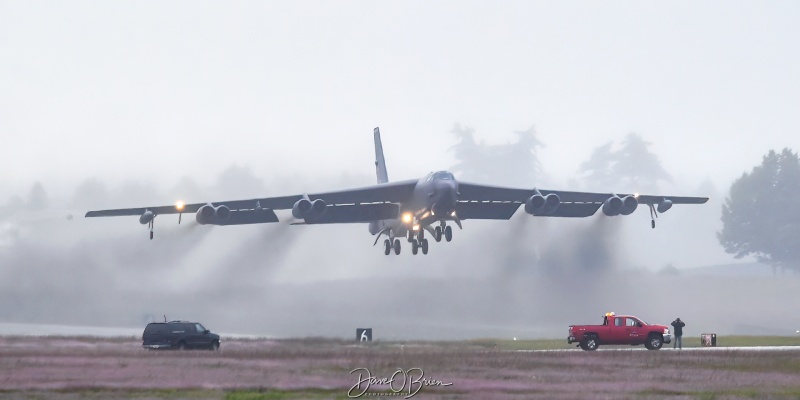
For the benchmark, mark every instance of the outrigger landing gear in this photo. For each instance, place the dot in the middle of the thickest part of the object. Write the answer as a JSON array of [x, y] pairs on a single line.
[[653, 216], [150, 225]]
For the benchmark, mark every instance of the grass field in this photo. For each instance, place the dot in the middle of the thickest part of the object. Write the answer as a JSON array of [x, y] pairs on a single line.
[[92, 368]]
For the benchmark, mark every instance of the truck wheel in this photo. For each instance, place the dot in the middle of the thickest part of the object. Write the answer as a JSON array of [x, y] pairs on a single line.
[[654, 342], [589, 344]]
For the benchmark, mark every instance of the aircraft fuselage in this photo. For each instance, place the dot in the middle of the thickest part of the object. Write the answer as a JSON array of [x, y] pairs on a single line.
[[434, 199]]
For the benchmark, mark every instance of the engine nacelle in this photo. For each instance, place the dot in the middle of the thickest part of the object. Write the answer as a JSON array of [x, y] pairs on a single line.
[[309, 210], [629, 204], [318, 208], [301, 208], [221, 214], [664, 205], [205, 214], [612, 206], [209, 214], [542, 205], [146, 217]]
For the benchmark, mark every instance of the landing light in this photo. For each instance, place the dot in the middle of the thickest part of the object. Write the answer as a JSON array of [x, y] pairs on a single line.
[[407, 218], [179, 205], [415, 227], [636, 195], [453, 214]]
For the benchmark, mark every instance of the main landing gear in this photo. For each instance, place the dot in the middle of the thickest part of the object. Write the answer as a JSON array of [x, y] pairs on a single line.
[[419, 244], [417, 239], [441, 230], [390, 244]]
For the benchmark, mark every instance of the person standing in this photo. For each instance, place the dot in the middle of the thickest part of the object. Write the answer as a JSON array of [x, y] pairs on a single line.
[[677, 326]]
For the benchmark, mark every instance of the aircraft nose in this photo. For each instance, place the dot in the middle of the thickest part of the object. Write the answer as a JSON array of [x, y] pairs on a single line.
[[445, 198]]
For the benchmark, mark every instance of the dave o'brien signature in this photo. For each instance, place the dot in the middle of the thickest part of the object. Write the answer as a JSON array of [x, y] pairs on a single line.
[[408, 381]]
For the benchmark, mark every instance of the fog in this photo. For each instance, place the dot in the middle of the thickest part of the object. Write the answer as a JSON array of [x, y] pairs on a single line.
[[115, 105]]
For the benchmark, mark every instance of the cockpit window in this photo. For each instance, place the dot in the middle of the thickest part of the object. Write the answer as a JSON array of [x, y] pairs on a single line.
[[443, 175]]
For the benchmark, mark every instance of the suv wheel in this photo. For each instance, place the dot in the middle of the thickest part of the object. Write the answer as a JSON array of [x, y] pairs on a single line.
[[214, 346], [589, 343], [654, 342], [182, 346]]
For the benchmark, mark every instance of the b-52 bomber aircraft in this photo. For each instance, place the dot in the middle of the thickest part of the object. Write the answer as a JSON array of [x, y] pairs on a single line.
[[408, 209]]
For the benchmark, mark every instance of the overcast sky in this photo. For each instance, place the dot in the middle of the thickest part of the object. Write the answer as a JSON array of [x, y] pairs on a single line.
[[140, 95], [160, 90]]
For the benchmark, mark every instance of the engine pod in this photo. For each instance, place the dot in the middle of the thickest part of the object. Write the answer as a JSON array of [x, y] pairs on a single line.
[[146, 217], [205, 214], [612, 206]]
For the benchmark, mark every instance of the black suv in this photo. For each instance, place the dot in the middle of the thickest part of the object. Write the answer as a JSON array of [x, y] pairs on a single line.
[[178, 335]]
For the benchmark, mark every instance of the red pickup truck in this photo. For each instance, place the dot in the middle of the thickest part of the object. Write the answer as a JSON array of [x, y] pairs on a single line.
[[619, 329]]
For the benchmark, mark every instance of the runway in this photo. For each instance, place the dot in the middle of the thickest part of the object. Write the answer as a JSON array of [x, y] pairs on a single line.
[[670, 349]]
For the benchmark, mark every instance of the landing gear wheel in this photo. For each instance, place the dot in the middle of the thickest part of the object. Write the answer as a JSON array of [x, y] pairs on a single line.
[[397, 246], [448, 233], [387, 247], [151, 235], [424, 245], [654, 342], [437, 233], [414, 247]]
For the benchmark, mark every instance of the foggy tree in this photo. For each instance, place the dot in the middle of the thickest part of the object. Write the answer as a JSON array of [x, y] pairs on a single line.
[[637, 165], [37, 197], [632, 167], [514, 163], [759, 217], [598, 168], [238, 180], [467, 153], [89, 193]]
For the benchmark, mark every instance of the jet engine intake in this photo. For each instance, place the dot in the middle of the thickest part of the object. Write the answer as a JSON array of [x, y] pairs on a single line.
[[309, 210], [205, 214], [210, 215], [612, 206], [221, 214], [301, 208], [542, 205], [629, 204], [664, 205], [146, 217]]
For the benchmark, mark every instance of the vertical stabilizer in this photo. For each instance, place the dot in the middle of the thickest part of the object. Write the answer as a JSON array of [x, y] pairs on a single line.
[[380, 163]]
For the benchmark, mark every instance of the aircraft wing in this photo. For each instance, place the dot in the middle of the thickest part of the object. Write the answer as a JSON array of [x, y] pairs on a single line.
[[354, 199], [495, 202]]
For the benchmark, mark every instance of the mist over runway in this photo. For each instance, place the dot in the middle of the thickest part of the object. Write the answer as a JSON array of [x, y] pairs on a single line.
[[115, 105]]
